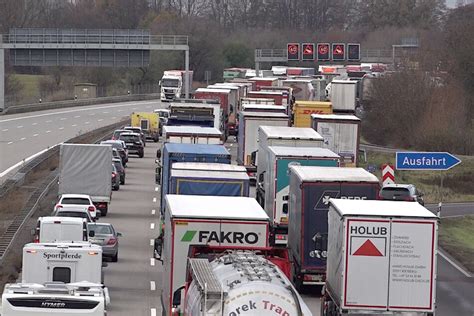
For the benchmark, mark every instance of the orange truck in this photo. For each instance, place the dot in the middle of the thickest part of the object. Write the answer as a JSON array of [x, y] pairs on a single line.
[[302, 111]]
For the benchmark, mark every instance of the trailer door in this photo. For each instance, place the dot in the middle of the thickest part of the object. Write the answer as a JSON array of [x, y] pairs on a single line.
[[62, 271]]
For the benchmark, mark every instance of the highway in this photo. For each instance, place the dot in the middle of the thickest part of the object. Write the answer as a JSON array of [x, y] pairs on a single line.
[[135, 281]]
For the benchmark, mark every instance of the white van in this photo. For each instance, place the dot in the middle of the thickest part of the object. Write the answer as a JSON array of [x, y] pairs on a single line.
[[62, 229], [54, 299]]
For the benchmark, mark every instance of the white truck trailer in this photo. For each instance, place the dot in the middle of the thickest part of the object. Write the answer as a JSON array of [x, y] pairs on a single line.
[[240, 282], [73, 299], [343, 95], [86, 169], [206, 220], [341, 134], [381, 259], [192, 135]]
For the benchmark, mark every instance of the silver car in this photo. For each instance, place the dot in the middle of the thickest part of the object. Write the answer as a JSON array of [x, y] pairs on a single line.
[[106, 236]]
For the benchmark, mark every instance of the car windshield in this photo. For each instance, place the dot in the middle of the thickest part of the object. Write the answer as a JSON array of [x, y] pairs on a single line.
[[135, 130], [129, 138], [113, 144], [173, 83], [117, 133], [390, 193], [73, 214], [118, 164], [101, 229], [80, 201]]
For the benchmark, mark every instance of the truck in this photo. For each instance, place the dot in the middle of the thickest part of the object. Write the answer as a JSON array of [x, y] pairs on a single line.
[[280, 136], [197, 178], [149, 122], [249, 123], [302, 89], [264, 81], [172, 153], [86, 169], [343, 95], [310, 191], [65, 262], [234, 98], [192, 135], [250, 107], [341, 134], [276, 184], [49, 299], [240, 281], [206, 220], [205, 113], [280, 97], [222, 96], [382, 259], [302, 111], [173, 84]]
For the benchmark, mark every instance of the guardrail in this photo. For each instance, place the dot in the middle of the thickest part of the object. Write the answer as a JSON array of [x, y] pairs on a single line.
[[71, 103]]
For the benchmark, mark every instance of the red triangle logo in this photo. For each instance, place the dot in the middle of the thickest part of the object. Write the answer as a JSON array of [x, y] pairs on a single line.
[[368, 249]]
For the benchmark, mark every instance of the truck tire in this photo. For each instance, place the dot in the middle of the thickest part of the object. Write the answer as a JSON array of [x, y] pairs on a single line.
[[140, 155]]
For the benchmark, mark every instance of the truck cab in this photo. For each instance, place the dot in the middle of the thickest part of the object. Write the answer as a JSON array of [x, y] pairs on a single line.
[[171, 86]]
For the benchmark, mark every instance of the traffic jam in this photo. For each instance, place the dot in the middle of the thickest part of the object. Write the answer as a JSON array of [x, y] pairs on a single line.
[[245, 232]]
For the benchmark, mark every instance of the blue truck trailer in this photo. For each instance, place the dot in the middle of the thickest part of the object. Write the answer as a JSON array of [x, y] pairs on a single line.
[[198, 178], [311, 188], [277, 182], [175, 152]]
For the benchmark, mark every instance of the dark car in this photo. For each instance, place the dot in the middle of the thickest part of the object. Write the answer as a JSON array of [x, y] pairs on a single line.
[[117, 132], [120, 169], [115, 178], [137, 130], [120, 147], [401, 192], [134, 143]]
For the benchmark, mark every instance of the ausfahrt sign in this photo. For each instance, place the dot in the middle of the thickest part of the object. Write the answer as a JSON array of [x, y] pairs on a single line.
[[425, 161]]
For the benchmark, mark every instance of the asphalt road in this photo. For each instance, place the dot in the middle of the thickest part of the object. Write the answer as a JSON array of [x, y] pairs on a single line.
[[22, 135], [135, 281]]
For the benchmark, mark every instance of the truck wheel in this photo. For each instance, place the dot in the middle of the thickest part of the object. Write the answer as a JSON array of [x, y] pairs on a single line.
[[115, 258], [140, 155]]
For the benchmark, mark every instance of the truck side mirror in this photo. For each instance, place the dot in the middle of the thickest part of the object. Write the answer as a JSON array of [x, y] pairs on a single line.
[[159, 83], [158, 248], [177, 296]]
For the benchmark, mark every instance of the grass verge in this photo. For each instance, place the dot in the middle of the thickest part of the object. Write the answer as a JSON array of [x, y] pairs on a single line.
[[457, 182], [456, 236]]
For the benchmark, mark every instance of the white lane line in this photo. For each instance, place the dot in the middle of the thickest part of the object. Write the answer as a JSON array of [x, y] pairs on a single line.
[[120, 110], [74, 125], [48, 132], [152, 286], [87, 122], [467, 274], [105, 112], [48, 121], [153, 312], [76, 110], [156, 189], [114, 117], [23, 138], [61, 128], [152, 242], [35, 123], [35, 135], [62, 119], [100, 120], [152, 225], [19, 126], [91, 114], [9, 143], [5, 130], [134, 108], [153, 212], [152, 262], [154, 200], [3, 173], [77, 116]]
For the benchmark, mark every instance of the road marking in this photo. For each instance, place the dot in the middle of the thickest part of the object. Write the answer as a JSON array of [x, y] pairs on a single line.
[[105, 112], [61, 128], [74, 125], [9, 143], [134, 108], [62, 119], [77, 116], [5, 130], [114, 117], [152, 225], [152, 262], [154, 200], [19, 126], [48, 121], [100, 120], [76, 110], [120, 110], [23, 138], [152, 286], [467, 274], [35, 135], [153, 212], [91, 114], [152, 242], [86, 122], [156, 189], [153, 312], [35, 123], [48, 132]]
